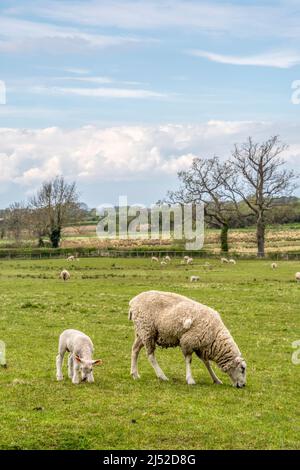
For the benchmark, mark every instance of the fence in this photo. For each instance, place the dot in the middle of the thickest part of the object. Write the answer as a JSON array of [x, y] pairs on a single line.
[[129, 253]]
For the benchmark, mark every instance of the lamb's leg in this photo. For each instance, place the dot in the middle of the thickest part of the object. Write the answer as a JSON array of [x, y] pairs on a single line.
[[76, 373], [189, 377], [70, 366], [137, 346], [216, 380], [59, 363]]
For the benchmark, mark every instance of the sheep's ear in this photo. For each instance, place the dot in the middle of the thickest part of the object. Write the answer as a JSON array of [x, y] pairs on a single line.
[[97, 362], [77, 358]]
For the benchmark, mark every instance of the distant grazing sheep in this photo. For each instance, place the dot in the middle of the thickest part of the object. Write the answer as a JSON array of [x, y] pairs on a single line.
[[232, 261], [168, 320], [80, 348], [189, 261], [224, 260], [65, 275], [154, 258], [186, 258], [70, 258], [167, 258], [297, 276], [194, 278], [163, 263], [274, 265]]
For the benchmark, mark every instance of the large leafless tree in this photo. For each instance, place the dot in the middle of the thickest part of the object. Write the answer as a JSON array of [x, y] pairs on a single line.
[[54, 205], [207, 181], [259, 178]]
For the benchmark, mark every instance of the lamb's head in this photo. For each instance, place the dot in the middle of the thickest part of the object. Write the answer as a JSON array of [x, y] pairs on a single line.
[[86, 366], [237, 372]]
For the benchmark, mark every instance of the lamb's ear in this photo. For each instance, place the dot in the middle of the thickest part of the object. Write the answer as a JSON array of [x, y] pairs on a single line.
[[77, 358], [97, 362]]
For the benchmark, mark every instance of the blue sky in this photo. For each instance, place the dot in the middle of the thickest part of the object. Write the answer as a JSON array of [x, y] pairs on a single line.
[[122, 94]]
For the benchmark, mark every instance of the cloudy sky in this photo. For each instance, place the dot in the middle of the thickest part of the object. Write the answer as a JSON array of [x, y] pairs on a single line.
[[121, 94]]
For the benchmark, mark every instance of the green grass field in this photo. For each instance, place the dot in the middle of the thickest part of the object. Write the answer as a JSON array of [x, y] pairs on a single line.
[[258, 305]]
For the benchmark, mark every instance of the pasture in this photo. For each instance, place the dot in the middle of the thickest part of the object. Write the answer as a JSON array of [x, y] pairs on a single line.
[[259, 306]]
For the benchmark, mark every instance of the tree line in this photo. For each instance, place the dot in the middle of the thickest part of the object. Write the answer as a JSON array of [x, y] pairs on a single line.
[[252, 186]]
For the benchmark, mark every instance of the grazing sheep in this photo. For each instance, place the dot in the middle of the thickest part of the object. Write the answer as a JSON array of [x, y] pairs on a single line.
[[65, 275], [224, 260], [80, 348], [169, 320], [71, 258], [163, 263], [274, 265], [167, 258], [232, 261], [189, 261], [186, 258], [154, 258], [297, 276], [194, 278]]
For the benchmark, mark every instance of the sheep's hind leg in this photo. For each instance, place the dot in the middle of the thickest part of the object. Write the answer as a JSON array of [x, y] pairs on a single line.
[[137, 346], [189, 377], [155, 365], [216, 380]]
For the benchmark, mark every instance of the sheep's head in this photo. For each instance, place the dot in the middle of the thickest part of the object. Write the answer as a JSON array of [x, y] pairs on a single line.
[[86, 366], [237, 372]]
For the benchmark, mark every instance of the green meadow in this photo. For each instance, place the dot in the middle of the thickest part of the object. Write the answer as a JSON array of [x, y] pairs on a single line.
[[260, 306]]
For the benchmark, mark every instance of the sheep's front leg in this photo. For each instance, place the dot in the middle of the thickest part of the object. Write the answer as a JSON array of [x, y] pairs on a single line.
[[137, 346], [70, 366], [154, 363], [59, 363], [216, 380], [76, 374], [189, 377]]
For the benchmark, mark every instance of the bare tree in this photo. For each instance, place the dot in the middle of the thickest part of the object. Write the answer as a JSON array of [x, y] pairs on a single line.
[[56, 204], [15, 220], [205, 182], [259, 179]]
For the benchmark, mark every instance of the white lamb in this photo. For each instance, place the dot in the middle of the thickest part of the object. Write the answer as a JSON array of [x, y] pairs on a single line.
[[232, 261], [189, 261], [154, 258], [163, 263], [169, 320], [186, 258], [274, 265], [65, 275], [194, 278], [71, 258], [167, 258], [297, 276], [224, 260], [80, 348]]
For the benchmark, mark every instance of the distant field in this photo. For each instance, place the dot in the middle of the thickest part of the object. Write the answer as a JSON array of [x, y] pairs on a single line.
[[259, 306]]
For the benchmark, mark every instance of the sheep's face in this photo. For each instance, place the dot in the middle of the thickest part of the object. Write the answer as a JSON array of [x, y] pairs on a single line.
[[238, 373], [86, 367]]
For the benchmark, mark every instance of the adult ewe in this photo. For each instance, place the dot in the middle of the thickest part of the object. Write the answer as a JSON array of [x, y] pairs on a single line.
[[274, 265], [297, 276], [169, 320]]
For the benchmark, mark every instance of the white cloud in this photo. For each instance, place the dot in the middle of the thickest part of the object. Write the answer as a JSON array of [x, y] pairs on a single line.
[[100, 92], [279, 59], [91, 154], [244, 19], [18, 34]]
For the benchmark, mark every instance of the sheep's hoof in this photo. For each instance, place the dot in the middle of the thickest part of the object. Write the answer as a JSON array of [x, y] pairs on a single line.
[[59, 378], [163, 378], [135, 375], [191, 382], [218, 382]]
